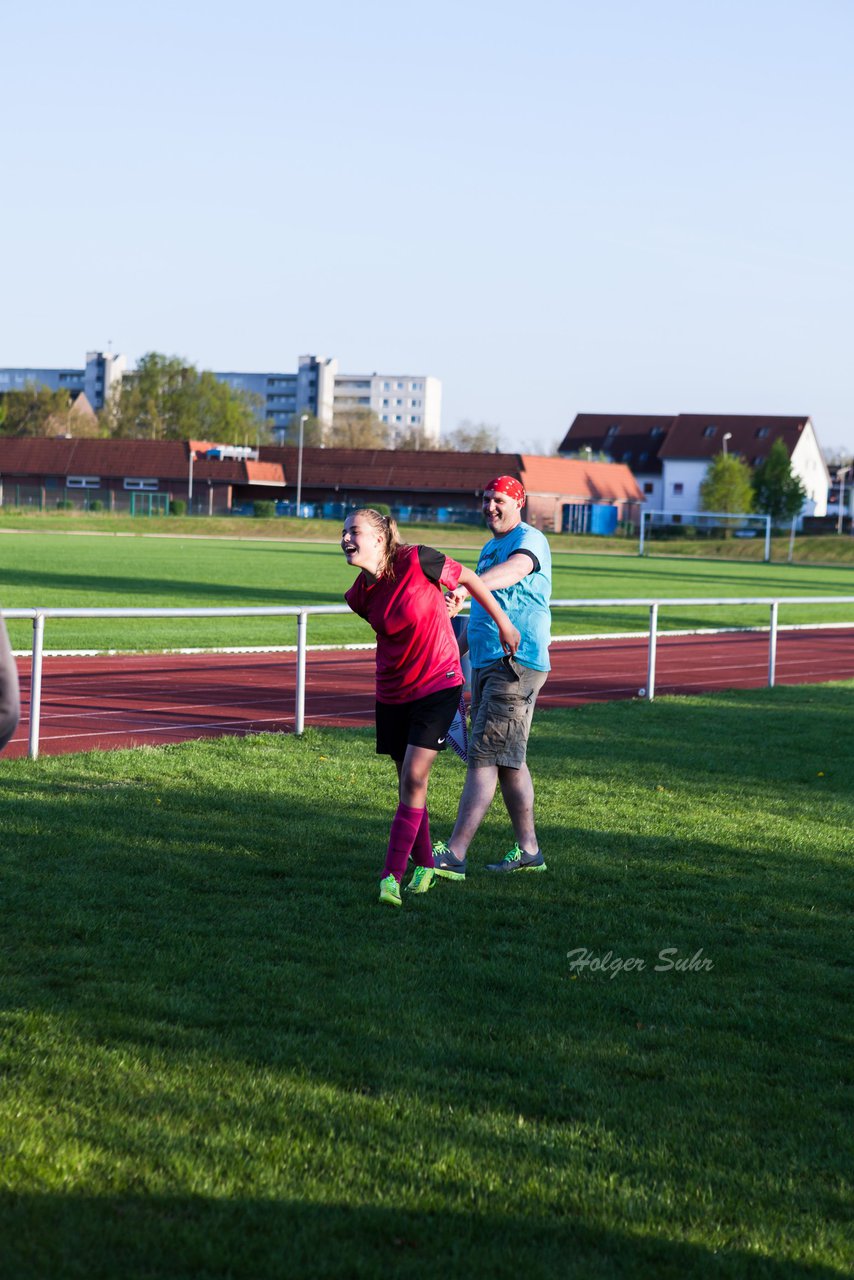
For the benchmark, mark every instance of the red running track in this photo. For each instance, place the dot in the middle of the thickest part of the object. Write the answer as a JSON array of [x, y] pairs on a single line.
[[136, 700]]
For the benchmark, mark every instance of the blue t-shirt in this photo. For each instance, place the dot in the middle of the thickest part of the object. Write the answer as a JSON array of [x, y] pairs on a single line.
[[526, 603]]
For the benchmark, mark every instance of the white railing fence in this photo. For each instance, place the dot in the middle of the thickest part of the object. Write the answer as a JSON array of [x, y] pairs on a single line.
[[302, 612]]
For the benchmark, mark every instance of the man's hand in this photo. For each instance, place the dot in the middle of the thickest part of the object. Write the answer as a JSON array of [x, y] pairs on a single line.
[[510, 637]]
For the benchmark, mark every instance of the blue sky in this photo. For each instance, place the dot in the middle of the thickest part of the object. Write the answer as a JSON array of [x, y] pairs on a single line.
[[553, 207]]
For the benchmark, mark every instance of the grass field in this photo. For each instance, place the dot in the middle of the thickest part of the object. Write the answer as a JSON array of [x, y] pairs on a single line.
[[44, 569], [222, 1058], [824, 549]]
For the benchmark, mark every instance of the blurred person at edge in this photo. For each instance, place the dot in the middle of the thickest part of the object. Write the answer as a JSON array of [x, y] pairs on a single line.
[[10, 698]]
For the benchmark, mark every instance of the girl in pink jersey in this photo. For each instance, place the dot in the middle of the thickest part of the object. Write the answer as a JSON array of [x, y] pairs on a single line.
[[400, 592]]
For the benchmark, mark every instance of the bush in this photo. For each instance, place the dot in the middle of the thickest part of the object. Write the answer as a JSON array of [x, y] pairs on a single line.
[[64, 504], [382, 508], [263, 510], [177, 507], [96, 505]]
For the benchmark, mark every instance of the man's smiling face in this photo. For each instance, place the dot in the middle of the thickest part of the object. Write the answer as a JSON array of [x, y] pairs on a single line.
[[501, 512]]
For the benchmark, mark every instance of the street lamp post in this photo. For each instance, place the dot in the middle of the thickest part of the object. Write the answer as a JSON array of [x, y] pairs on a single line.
[[303, 420], [727, 436]]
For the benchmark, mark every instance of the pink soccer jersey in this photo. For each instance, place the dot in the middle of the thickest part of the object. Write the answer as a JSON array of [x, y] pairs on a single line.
[[417, 651]]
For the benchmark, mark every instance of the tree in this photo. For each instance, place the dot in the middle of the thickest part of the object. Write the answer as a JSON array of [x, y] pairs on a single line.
[[727, 485], [35, 410], [778, 493], [357, 429], [414, 438], [474, 437], [313, 431], [166, 399]]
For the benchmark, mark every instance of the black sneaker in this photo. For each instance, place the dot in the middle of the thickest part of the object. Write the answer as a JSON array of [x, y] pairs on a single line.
[[518, 860], [446, 862]]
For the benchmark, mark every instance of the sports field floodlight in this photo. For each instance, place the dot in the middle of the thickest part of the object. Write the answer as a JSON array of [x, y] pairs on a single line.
[[727, 436], [303, 420]]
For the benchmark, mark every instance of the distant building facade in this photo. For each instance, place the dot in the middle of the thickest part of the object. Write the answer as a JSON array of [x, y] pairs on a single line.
[[408, 404], [669, 456], [100, 373]]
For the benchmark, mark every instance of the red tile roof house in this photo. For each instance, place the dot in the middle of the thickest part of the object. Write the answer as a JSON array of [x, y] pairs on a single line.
[[42, 472], [669, 455], [411, 482], [115, 472]]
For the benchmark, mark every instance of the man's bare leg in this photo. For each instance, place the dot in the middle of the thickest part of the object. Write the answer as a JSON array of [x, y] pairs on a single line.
[[477, 796], [517, 788]]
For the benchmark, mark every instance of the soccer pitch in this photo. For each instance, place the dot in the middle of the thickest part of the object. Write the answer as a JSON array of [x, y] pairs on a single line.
[[89, 571], [222, 1058]]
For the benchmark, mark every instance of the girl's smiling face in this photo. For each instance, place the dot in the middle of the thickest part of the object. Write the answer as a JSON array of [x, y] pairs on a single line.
[[362, 544]]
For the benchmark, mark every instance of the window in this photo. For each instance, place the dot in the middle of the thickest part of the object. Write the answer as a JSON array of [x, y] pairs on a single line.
[[643, 457], [415, 386], [83, 482], [416, 418], [763, 432], [648, 487], [709, 431], [386, 386], [132, 482], [612, 431], [627, 456], [656, 432], [678, 487], [398, 402], [385, 404], [677, 519], [397, 418]]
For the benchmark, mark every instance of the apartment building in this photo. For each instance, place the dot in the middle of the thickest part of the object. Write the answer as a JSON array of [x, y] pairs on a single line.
[[409, 404], [101, 371]]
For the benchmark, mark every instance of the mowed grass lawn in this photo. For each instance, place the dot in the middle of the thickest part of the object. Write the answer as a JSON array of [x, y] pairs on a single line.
[[91, 571], [222, 1058]]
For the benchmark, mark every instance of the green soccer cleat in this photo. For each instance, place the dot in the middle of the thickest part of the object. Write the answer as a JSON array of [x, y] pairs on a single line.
[[519, 860], [390, 892], [423, 879]]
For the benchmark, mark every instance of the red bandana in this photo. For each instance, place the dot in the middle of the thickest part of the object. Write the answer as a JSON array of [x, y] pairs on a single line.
[[508, 485]]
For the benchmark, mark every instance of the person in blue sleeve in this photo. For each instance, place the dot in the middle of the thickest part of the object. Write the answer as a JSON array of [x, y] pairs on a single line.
[[516, 566]]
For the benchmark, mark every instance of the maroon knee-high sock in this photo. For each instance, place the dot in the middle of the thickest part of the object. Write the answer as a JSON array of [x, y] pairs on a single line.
[[422, 850], [404, 829]]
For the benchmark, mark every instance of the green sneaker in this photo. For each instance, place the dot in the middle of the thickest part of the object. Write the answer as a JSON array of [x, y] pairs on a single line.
[[519, 860], [423, 879], [446, 862], [390, 892]]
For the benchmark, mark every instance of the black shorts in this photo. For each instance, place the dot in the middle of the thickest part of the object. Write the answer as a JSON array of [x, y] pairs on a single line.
[[422, 723]]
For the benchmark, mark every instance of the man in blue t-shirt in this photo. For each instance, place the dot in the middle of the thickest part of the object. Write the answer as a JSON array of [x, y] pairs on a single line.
[[516, 566]]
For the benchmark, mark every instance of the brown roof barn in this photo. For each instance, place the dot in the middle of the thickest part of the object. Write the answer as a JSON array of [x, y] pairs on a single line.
[[340, 477]]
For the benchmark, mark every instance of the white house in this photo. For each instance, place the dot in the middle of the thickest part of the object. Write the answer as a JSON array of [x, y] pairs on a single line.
[[669, 456]]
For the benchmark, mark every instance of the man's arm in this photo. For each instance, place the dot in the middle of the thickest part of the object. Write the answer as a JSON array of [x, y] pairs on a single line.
[[513, 570], [474, 586]]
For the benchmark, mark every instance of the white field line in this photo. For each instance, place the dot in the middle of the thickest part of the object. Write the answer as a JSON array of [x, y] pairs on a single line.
[[347, 648]]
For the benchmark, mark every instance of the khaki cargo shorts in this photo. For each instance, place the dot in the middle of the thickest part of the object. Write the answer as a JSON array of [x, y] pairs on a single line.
[[502, 707]]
